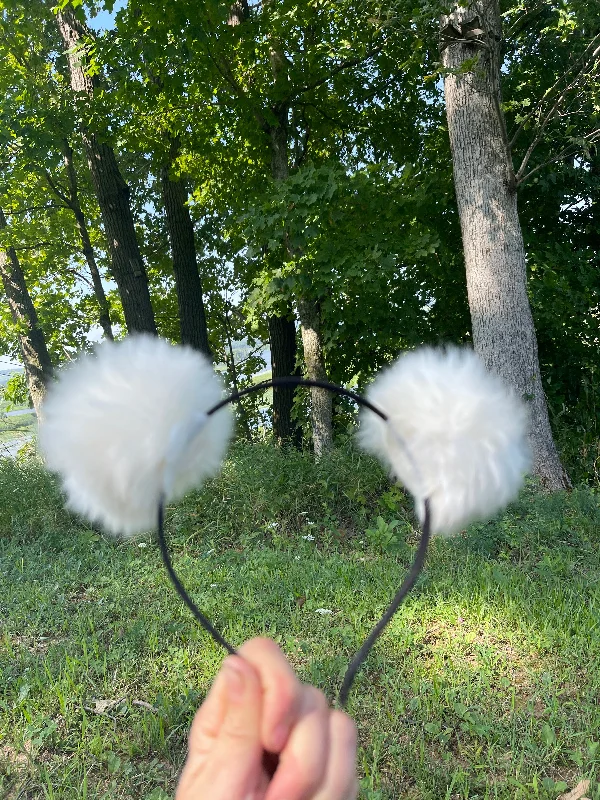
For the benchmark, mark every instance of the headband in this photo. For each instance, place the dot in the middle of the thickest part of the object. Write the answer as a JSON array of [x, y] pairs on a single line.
[[140, 422]]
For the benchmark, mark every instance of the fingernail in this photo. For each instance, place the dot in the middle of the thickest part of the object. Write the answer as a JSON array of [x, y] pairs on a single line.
[[235, 678]]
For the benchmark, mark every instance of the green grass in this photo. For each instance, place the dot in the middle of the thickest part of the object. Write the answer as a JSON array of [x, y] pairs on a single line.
[[263, 376], [17, 427], [5, 405], [485, 685]]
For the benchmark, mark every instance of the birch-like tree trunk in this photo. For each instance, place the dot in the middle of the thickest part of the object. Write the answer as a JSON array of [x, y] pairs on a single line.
[[503, 330], [188, 284], [321, 399], [36, 359], [111, 190]]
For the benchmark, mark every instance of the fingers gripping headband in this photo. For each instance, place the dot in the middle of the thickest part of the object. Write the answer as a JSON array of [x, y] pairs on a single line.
[[406, 587], [139, 423]]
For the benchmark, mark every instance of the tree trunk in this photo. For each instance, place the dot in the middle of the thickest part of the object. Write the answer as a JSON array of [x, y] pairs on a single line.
[[36, 359], [321, 400], [192, 317], [503, 331], [282, 329], [594, 228], [282, 338], [238, 13], [233, 379], [111, 190], [320, 412], [86, 245]]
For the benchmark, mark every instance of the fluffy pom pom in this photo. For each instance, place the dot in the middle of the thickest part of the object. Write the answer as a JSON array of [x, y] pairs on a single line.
[[455, 435], [127, 425]]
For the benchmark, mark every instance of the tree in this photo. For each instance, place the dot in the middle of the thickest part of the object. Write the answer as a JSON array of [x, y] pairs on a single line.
[[69, 196], [47, 189], [146, 79], [296, 166], [276, 83], [112, 192], [32, 344], [485, 183], [282, 341], [192, 317]]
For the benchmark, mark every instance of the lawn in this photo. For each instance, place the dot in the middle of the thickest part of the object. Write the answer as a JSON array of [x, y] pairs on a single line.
[[17, 427], [485, 685]]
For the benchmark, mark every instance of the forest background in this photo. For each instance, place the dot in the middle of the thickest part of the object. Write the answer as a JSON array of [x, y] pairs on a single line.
[[281, 174]]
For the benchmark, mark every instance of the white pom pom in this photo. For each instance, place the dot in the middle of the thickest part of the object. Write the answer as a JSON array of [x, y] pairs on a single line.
[[126, 425], [455, 434]]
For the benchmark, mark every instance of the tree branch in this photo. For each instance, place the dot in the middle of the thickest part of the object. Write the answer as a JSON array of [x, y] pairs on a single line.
[[589, 56], [32, 246], [33, 208], [571, 150], [351, 62], [59, 192], [229, 78]]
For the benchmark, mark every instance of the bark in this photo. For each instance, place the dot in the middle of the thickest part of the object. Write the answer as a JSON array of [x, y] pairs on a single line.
[[188, 284], [233, 377], [238, 13], [594, 229], [282, 329], [278, 136], [34, 352], [503, 330], [111, 190], [71, 200], [282, 338], [321, 399]]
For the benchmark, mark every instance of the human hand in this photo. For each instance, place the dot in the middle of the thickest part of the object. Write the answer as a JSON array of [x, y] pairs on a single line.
[[257, 704]]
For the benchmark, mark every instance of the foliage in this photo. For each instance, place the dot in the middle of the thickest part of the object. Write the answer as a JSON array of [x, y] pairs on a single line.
[[385, 537], [16, 391], [365, 222], [552, 101], [369, 267]]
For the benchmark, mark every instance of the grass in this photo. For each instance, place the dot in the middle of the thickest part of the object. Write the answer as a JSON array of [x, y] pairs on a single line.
[[262, 376], [6, 405], [17, 427], [486, 685]]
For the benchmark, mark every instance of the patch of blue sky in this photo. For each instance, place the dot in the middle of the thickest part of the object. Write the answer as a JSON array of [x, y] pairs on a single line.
[[105, 20]]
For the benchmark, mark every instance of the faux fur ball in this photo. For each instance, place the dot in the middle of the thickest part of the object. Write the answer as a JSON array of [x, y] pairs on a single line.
[[126, 425], [456, 434]]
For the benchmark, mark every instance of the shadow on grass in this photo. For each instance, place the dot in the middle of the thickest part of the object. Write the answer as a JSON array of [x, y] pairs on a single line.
[[484, 686]]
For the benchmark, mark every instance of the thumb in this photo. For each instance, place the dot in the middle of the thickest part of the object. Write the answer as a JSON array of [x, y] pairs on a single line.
[[235, 763]]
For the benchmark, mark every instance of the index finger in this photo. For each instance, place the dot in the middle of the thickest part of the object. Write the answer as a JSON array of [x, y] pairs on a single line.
[[282, 691]]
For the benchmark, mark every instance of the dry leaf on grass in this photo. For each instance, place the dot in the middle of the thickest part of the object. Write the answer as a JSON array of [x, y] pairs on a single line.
[[577, 793], [144, 704], [102, 707]]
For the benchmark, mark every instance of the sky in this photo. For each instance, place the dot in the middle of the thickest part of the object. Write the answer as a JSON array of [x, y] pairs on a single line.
[[104, 20]]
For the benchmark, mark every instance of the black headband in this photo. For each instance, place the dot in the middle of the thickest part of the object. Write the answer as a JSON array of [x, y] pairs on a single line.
[[407, 584]]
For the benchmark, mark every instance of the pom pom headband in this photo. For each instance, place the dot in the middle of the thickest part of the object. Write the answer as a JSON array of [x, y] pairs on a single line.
[[141, 422]]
